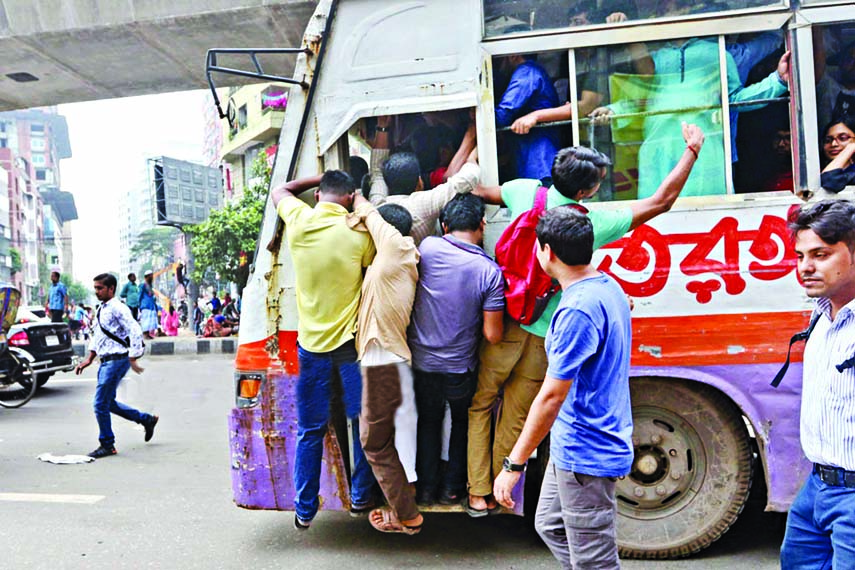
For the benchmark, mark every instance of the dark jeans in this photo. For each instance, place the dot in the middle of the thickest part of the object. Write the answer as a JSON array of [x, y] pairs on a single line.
[[56, 315], [135, 313], [313, 414], [110, 373], [433, 390]]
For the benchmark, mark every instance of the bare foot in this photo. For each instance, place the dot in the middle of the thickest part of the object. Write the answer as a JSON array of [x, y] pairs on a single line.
[[481, 503]]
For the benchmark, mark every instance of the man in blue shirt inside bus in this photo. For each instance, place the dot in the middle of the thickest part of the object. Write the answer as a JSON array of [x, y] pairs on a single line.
[[530, 89]]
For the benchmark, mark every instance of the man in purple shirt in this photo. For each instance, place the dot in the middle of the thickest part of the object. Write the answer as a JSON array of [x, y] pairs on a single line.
[[459, 295]]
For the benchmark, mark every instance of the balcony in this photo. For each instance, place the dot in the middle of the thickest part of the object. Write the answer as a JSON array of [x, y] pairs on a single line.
[[258, 131]]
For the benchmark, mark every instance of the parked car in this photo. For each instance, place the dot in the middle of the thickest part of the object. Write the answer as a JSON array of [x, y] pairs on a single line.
[[30, 313], [48, 343]]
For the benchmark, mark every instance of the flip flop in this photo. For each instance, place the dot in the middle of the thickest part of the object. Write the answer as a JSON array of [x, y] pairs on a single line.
[[390, 522], [478, 513]]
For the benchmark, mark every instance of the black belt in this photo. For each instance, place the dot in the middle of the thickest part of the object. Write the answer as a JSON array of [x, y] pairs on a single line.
[[109, 357], [835, 476]]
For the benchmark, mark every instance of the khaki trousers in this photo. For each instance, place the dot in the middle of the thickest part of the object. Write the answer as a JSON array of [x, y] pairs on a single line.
[[516, 365]]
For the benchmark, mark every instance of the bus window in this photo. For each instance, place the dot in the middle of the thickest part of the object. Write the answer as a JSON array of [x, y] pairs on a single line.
[[649, 91], [509, 16], [834, 58], [761, 149]]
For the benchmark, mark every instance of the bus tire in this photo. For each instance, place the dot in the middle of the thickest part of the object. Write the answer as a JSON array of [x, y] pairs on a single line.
[[691, 474]]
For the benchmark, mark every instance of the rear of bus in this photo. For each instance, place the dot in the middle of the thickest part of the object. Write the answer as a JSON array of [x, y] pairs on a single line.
[[713, 281]]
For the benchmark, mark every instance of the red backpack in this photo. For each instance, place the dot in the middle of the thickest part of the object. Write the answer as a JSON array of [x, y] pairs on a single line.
[[527, 286]]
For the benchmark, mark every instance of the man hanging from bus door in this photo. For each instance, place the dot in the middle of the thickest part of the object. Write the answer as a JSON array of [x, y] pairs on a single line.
[[821, 523], [396, 179], [387, 423], [328, 259], [517, 365], [584, 402]]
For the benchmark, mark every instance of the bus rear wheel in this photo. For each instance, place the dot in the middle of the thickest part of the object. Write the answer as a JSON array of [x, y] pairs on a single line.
[[691, 474]]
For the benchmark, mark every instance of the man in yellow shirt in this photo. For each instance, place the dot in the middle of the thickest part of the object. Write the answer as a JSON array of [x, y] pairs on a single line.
[[328, 259]]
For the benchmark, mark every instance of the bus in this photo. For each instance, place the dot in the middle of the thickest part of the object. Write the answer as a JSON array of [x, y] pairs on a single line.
[[714, 283]]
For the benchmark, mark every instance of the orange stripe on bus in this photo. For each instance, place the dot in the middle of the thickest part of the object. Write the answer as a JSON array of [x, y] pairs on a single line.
[[754, 338]]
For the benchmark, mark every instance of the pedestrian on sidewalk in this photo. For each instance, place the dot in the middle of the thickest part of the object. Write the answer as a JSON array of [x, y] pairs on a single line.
[[117, 342], [821, 524], [148, 306], [130, 295], [57, 298]]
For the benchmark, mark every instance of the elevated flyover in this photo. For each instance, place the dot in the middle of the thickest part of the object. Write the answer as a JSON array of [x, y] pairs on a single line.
[[60, 51]]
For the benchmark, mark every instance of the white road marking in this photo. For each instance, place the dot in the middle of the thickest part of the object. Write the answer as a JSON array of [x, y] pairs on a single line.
[[71, 380], [45, 498]]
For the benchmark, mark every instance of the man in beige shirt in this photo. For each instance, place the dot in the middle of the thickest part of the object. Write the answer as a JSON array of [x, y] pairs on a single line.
[[396, 179], [388, 291]]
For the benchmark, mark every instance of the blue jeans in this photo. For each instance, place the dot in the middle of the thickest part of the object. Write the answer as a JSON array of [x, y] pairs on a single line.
[[110, 373], [820, 528], [313, 414]]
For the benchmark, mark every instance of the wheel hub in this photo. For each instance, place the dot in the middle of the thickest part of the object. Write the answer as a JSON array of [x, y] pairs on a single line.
[[667, 467]]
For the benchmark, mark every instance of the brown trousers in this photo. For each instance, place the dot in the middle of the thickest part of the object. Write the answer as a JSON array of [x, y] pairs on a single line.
[[518, 365], [381, 398]]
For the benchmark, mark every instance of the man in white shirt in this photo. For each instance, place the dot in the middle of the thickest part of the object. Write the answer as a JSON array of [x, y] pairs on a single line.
[[117, 341], [821, 524]]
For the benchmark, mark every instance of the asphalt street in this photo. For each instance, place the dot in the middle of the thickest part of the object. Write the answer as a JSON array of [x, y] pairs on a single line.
[[167, 504]]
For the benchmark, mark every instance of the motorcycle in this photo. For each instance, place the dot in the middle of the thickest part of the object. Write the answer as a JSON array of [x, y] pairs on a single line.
[[16, 374]]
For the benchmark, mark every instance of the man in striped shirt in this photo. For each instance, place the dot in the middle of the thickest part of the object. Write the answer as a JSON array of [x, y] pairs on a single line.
[[821, 524]]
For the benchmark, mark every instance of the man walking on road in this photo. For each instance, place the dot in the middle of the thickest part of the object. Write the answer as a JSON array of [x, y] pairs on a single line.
[[57, 298], [584, 402], [117, 341], [821, 523], [130, 295]]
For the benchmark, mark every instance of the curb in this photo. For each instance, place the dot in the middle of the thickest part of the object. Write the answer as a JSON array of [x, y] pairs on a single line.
[[165, 347]]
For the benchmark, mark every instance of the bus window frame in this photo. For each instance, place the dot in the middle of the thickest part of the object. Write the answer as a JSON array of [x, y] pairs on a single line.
[[657, 32], [782, 5], [803, 23]]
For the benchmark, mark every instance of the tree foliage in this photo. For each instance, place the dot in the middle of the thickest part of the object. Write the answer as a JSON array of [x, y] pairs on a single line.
[[17, 264], [225, 243], [154, 246]]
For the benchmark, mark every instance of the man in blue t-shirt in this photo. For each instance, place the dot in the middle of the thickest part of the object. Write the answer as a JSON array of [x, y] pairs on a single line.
[[57, 298], [584, 403], [460, 295]]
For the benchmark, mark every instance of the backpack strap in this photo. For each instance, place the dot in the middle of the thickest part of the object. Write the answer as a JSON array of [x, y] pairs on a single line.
[[798, 337], [540, 200], [124, 342]]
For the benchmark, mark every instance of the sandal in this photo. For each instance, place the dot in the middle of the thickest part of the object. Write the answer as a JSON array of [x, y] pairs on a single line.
[[389, 522], [478, 513]]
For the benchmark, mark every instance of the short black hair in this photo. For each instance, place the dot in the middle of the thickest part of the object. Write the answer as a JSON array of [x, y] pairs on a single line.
[[398, 217], [108, 280], [832, 220], [577, 169], [337, 182], [463, 213], [357, 167], [401, 173], [569, 234], [846, 120], [134, 275]]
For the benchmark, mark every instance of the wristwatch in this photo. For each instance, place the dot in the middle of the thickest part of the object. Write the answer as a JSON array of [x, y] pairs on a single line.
[[507, 465]]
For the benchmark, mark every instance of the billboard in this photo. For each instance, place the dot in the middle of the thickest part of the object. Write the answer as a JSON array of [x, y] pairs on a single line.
[[185, 192]]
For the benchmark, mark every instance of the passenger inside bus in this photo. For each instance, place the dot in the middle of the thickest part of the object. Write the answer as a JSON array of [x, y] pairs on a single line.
[[685, 86], [767, 161], [838, 148], [834, 60]]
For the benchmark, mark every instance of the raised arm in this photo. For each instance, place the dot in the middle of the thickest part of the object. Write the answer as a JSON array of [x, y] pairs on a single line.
[[294, 188], [665, 196], [490, 194], [464, 153]]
